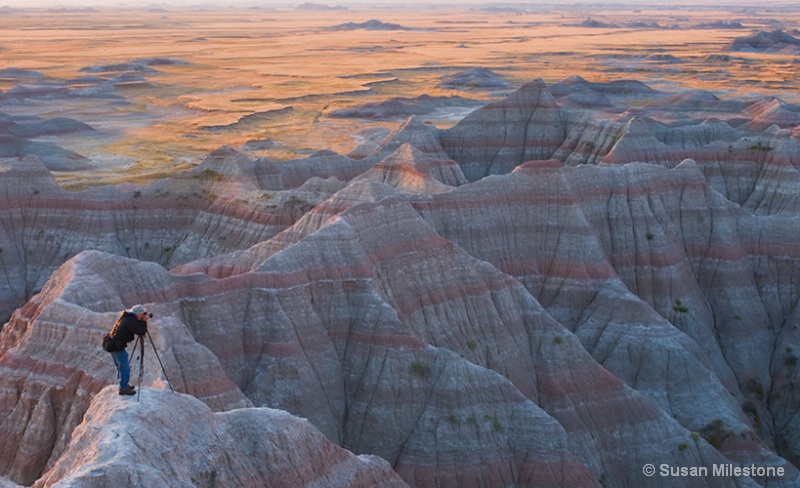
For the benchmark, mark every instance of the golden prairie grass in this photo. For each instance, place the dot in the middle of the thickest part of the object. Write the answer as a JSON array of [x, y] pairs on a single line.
[[287, 69]]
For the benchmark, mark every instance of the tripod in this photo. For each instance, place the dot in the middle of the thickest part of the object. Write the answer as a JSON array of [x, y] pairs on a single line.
[[140, 342]]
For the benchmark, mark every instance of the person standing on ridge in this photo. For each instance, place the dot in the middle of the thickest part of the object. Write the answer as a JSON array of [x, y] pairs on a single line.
[[131, 322]]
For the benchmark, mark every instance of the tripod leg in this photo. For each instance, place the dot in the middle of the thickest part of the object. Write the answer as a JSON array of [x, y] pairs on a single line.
[[160, 363], [136, 344], [141, 367], [133, 351]]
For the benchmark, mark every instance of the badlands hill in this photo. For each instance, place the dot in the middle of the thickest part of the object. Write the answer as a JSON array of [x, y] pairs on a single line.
[[776, 41], [569, 284]]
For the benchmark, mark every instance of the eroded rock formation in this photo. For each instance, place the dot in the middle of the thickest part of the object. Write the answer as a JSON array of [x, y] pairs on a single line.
[[247, 447], [543, 295], [18, 134], [776, 41]]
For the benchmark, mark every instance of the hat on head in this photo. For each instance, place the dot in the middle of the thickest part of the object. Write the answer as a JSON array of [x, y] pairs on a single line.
[[137, 309]]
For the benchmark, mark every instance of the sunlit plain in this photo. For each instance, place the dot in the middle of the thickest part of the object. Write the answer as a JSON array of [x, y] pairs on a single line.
[[239, 75]]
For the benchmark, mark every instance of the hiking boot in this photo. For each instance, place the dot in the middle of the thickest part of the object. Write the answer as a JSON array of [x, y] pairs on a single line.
[[127, 391]]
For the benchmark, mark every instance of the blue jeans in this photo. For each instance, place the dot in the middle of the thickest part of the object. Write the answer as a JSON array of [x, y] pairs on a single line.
[[123, 367]]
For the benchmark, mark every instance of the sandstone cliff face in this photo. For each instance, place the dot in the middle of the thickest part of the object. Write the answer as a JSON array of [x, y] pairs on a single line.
[[619, 290]]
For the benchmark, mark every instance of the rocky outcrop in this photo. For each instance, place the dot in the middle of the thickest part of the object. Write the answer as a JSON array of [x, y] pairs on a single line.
[[415, 132], [16, 134], [413, 172], [769, 112], [197, 447], [402, 107], [474, 79], [776, 41], [52, 368], [500, 136], [372, 24]]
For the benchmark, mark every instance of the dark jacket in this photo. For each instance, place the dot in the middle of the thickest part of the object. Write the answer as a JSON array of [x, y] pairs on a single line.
[[126, 327]]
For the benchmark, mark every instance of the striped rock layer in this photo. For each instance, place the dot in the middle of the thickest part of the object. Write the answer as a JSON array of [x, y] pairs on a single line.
[[544, 295]]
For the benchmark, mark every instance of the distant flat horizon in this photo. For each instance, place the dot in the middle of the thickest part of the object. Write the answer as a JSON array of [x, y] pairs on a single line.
[[290, 4]]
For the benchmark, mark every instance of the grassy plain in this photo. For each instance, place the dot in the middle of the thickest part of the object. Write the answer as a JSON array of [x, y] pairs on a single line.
[[237, 75]]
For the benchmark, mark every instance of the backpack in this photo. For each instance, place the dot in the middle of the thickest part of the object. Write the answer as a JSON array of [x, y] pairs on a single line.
[[111, 345]]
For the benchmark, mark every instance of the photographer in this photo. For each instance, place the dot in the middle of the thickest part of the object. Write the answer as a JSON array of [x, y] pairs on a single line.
[[132, 322]]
